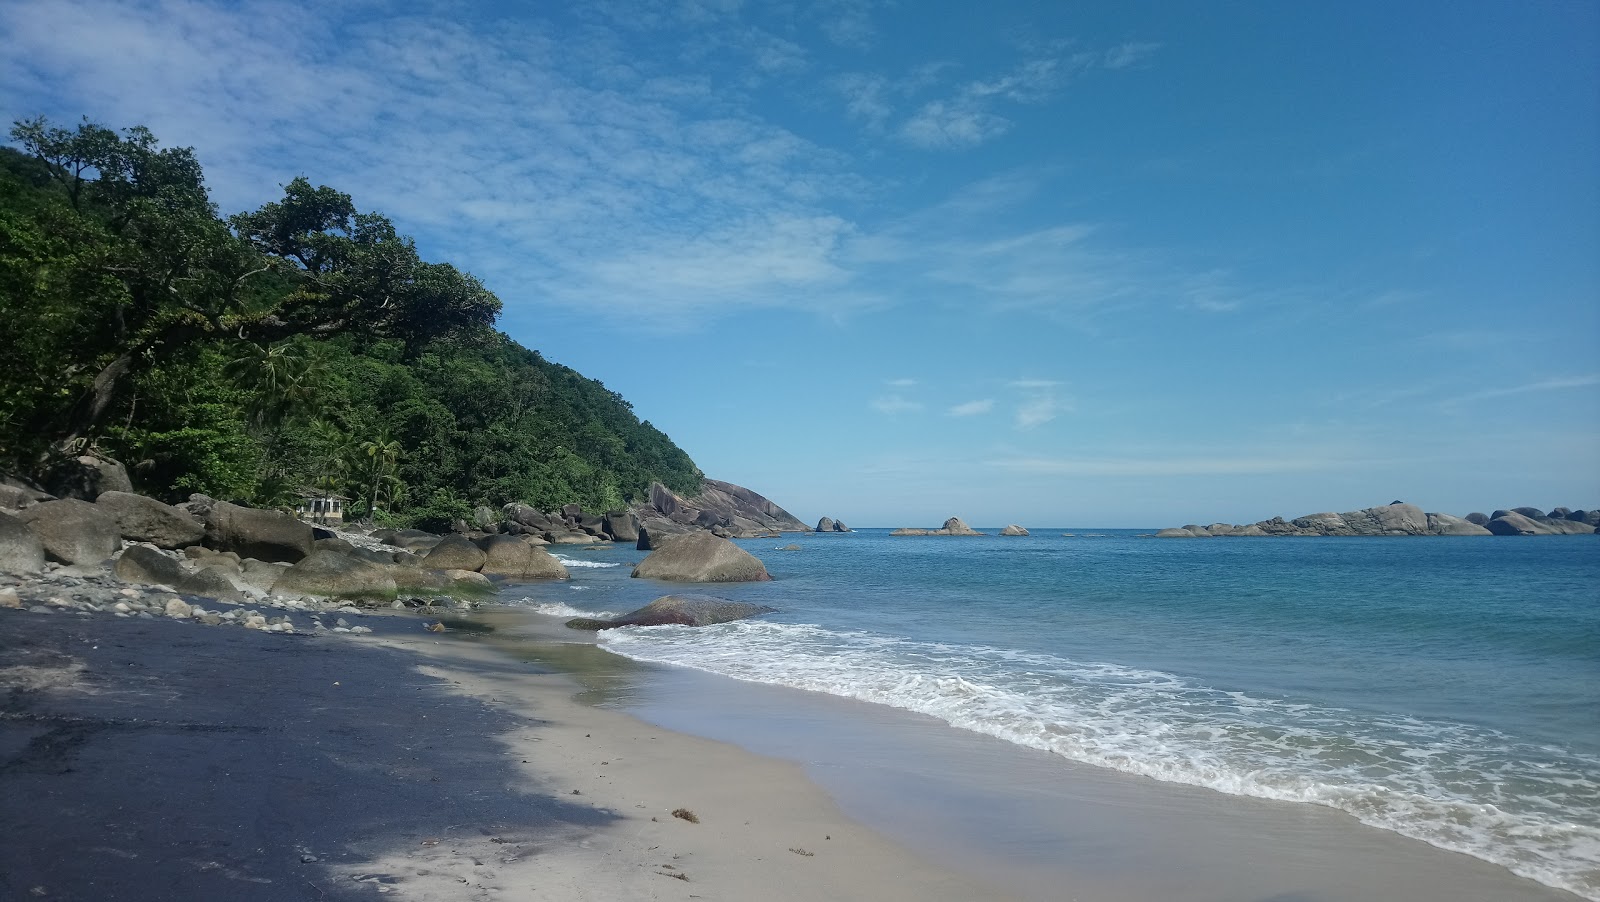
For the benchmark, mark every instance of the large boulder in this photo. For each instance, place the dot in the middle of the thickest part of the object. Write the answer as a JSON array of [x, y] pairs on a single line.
[[1477, 519], [1512, 523], [825, 524], [679, 610], [261, 534], [954, 526], [700, 557], [21, 551], [73, 531], [454, 553], [335, 575], [621, 526], [516, 559], [1446, 525], [146, 566], [1175, 532], [655, 533], [87, 478], [141, 519], [262, 575], [1013, 530]]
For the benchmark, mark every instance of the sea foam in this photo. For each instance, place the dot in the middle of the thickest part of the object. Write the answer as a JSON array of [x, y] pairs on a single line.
[[1528, 807]]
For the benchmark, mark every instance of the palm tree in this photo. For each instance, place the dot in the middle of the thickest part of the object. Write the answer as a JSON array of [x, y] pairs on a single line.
[[283, 380], [383, 452]]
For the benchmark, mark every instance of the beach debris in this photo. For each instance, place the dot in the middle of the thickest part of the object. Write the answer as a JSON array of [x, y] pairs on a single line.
[[430, 841], [676, 876], [802, 852], [436, 627], [684, 814]]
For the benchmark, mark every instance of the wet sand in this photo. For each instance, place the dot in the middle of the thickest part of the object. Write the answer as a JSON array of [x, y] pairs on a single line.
[[164, 760]]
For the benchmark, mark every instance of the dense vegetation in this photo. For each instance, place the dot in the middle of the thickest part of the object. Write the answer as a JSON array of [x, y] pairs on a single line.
[[301, 346]]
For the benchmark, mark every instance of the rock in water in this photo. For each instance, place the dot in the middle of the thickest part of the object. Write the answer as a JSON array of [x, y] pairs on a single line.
[[21, 551], [73, 531], [825, 524], [1446, 525], [699, 557], [1013, 530], [954, 526], [681, 610], [336, 575], [454, 553], [621, 526], [142, 519], [263, 535], [515, 559]]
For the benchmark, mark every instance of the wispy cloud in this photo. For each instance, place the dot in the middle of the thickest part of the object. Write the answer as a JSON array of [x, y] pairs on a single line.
[[895, 403], [1171, 466], [972, 408], [901, 383], [1544, 385], [1032, 383], [1130, 54], [1037, 411]]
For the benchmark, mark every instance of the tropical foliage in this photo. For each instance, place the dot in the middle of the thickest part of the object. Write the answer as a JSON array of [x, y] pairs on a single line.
[[304, 345]]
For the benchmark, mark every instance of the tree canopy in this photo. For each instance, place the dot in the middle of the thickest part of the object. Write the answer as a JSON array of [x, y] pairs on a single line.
[[303, 343]]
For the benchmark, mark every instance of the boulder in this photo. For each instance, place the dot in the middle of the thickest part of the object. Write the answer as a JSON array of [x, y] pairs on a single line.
[[1446, 525], [261, 534], [145, 566], [1560, 513], [454, 553], [569, 537], [621, 526], [700, 557], [334, 544], [88, 477], [523, 515], [21, 550], [1477, 518], [1175, 532], [335, 575], [954, 526], [1252, 530], [485, 518], [210, 582], [679, 610], [791, 547], [73, 531], [14, 498], [1013, 530], [1512, 523], [1532, 512], [516, 559], [262, 575], [825, 524], [838, 526], [654, 533]]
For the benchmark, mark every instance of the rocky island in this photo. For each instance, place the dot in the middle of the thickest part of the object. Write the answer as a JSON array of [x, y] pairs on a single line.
[[1401, 519]]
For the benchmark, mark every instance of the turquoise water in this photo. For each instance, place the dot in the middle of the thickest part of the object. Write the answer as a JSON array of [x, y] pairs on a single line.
[[1447, 689]]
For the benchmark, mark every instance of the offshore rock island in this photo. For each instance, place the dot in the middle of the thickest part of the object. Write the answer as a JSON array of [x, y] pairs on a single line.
[[1401, 519]]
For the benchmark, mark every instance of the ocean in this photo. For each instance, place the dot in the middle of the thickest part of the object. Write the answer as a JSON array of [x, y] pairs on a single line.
[[1444, 689]]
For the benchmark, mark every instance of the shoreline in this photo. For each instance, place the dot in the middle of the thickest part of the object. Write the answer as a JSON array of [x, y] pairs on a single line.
[[172, 760], [470, 745]]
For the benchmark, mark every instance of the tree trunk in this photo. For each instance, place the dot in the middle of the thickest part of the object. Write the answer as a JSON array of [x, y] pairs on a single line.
[[91, 408]]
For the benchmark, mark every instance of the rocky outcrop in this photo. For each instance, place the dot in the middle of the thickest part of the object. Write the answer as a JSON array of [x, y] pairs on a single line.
[[621, 526], [1399, 519], [261, 534], [21, 551], [1515, 523], [826, 524], [654, 533], [680, 610], [699, 557], [1013, 530], [334, 575], [73, 531], [738, 511], [87, 478], [141, 519], [954, 526], [515, 559], [454, 553]]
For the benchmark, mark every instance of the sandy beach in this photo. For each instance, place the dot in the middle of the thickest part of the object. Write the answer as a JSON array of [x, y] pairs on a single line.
[[154, 759]]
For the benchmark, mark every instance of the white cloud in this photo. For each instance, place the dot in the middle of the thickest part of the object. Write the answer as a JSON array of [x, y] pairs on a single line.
[[901, 383], [894, 403], [972, 408], [952, 123], [1032, 383], [1129, 54], [1037, 411]]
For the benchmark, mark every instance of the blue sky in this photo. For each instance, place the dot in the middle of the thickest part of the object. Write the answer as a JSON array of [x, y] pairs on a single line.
[[1116, 264]]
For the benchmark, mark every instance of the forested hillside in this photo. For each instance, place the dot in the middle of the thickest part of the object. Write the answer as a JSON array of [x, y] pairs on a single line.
[[301, 346]]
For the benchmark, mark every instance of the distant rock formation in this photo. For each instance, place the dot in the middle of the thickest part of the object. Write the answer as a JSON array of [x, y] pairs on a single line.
[[952, 527], [1400, 519], [1013, 530], [722, 508], [680, 610], [828, 524]]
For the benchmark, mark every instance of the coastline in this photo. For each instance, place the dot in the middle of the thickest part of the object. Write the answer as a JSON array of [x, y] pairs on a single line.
[[428, 766], [169, 760]]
